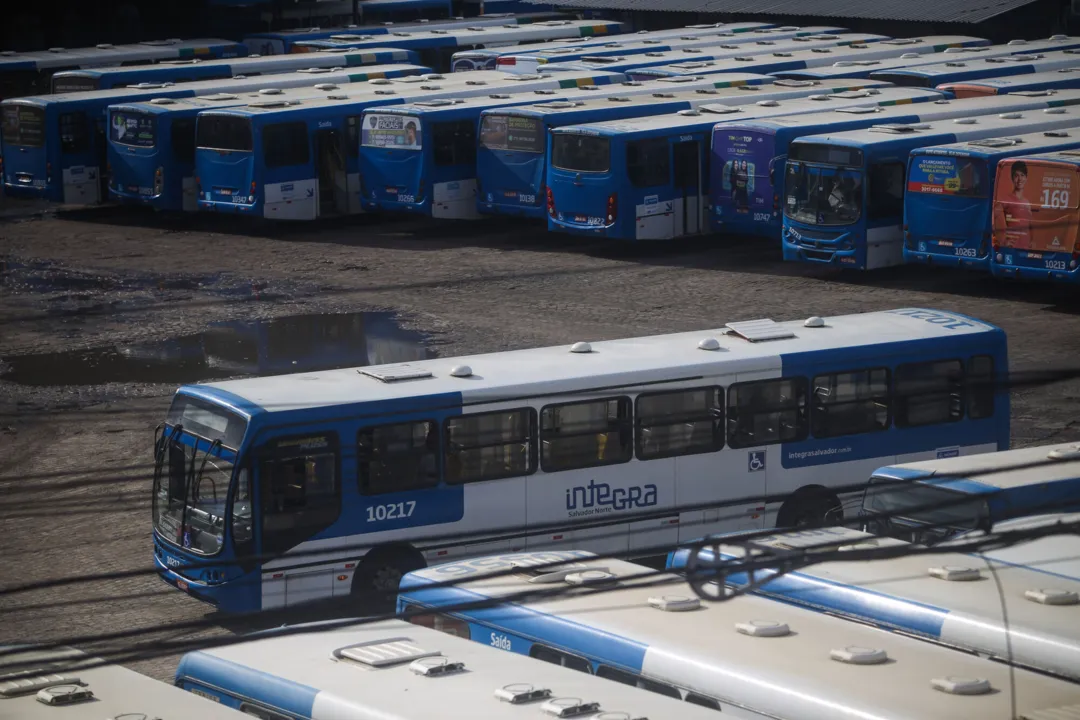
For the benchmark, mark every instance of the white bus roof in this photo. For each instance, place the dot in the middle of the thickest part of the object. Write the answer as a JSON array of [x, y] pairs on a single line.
[[343, 681], [608, 363], [1024, 81], [116, 692], [791, 676], [1055, 60], [1028, 142], [989, 472], [106, 53], [465, 37]]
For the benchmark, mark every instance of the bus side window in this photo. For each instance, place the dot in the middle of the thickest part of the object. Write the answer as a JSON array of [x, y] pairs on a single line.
[[557, 657], [850, 403], [886, 191], [285, 144], [702, 700], [635, 680], [300, 490], [683, 422], [980, 379], [455, 142], [929, 393], [489, 446], [620, 676], [648, 162], [398, 457], [586, 434], [659, 687], [766, 412], [74, 133], [262, 713]]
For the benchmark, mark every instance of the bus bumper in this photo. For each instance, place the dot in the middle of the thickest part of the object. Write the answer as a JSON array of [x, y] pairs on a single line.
[[229, 207], [822, 253], [1041, 274], [535, 212], [924, 257], [32, 192], [560, 224]]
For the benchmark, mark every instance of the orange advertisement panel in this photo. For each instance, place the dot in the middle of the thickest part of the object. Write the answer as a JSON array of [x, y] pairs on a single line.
[[1035, 205], [962, 90]]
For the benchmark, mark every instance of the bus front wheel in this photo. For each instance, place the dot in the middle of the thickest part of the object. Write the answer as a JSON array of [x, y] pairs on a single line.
[[380, 573], [809, 508]]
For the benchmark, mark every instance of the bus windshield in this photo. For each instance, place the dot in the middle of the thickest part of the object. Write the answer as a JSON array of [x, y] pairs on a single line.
[[919, 512], [965, 177], [581, 153], [191, 486], [223, 132], [823, 194], [391, 131], [23, 125], [511, 132], [133, 128]]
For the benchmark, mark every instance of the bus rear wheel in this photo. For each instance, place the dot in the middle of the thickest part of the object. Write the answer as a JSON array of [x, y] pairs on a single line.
[[811, 509], [376, 581]]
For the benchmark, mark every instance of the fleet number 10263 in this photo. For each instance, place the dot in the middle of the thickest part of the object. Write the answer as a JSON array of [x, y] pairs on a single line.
[[392, 511]]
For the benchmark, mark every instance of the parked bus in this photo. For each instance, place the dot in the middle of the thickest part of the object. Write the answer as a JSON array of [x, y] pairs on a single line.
[[61, 681], [182, 71], [151, 144], [908, 593], [648, 178], [980, 68], [487, 59], [436, 47], [784, 62], [511, 169], [302, 161], [1036, 216], [973, 492], [1063, 79], [394, 669], [950, 195], [748, 160], [54, 146], [751, 656], [394, 466], [844, 192], [29, 73], [956, 54], [436, 173], [280, 42], [530, 60]]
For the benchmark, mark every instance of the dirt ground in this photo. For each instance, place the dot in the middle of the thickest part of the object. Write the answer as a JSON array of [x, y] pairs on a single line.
[[74, 489]]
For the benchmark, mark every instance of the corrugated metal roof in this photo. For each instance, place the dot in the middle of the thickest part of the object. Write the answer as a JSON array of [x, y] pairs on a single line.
[[963, 11]]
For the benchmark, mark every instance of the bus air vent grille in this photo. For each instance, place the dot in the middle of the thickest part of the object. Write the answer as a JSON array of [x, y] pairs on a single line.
[[435, 666], [1069, 453], [395, 373], [381, 653], [760, 330], [955, 573], [674, 603], [569, 707], [961, 685], [521, 693], [30, 681], [65, 695], [589, 577], [912, 56], [763, 628], [1052, 596]]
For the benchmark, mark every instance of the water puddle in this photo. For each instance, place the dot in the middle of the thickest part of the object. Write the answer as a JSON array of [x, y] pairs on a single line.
[[297, 343]]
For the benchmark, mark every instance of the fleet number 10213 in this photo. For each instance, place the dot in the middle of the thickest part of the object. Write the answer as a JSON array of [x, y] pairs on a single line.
[[392, 511]]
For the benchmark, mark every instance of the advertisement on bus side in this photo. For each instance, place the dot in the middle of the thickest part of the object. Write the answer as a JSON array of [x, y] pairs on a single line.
[[941, 175], [1035, 205], [744, 184], [391, 131]]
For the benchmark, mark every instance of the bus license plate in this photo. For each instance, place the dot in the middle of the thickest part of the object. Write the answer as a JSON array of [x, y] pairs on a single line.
[[1034, 256], [225, 191], [1055, 264], [586, 220], [512, 194]]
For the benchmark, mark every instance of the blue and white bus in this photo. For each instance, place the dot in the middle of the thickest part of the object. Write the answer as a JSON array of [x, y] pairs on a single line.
[[151, 144], [1063, 79], [946, 598], [511, 168], [844, 192], [648, 178], [436, 174], [182, 71], [65, 681], [529, 60], [948, 209], [348, 478], [55, 146], [436, 47], [751, 656], [980, 68], [280, 42], [394, 669], [955, 54], [29, 73], [301, 161], [748, 159]]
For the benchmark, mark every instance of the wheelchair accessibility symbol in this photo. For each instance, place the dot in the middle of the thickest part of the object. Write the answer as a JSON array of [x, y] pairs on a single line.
[[755, 460]]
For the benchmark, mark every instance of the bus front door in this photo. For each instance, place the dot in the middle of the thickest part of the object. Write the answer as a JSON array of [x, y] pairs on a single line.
[[330, 159], [686, 173]]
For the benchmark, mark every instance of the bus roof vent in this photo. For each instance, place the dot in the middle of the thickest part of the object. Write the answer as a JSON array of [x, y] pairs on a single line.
[[955, 685], [381, 653], [895, 128], [1011, 116], [827, 50], [30, 681], [742, 88], [270, 105], [954, 573], [663, 95], [814, 321], [689, 113], [792, 83], [1055, 111], [710, 343], [1033, 93], [581, 348], [337, 97], [270, 91], [1069, 70], [763, 628], [525, 77], [759, 330], [437, 31], [707, 91], [589, 577], [162, 101], [559, 104], [730, 47], [965, 121], [1056, 134], [431, 87], [217, 97], [105, 46], [843, 63], [767, 103], [395, 373], [781, 54], [1069, 453], [432, 76], [1052, 596], [57, 49], [674, 603], [59, 695], [859, 655], [955, 64], [718, 109], [1017, 42], [543, 572], [618, 98], [379, 81], [326, 86], [1059, 38], [743, 58], [476, 82], [385, 92], [436, 666], [499, 97], [318, 70], [569, 707], [437, 102], [861, 109], [521, 693], [475, 28]]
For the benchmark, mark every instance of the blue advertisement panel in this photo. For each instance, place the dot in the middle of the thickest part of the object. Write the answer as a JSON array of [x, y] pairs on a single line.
[[742, 182]]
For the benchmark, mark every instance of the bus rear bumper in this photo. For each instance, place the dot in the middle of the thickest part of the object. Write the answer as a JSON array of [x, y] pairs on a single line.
[[557, 225], [501, 209], [1033, 273], [915, 257], [31, 192], [228, 207]]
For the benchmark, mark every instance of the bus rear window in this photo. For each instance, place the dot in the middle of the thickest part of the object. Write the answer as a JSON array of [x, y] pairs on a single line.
[[74, 84], [24, 125], [133, 128], [509, 132], [940, 175], [581, 153], [223, 132], [391, 131]]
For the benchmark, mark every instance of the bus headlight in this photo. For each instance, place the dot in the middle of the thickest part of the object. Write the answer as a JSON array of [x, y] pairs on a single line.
[[998, 257]]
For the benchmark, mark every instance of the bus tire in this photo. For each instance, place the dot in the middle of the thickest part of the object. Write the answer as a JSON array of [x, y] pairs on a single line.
[[810, 507], [381, 570]]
